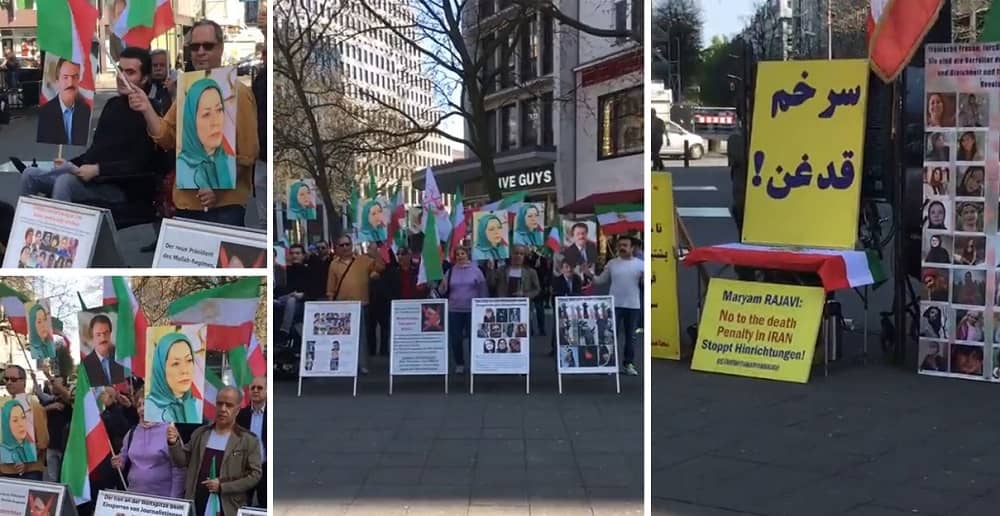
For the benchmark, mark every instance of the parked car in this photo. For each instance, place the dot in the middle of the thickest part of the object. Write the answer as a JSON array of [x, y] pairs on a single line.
[[247, 65], [676, 136]]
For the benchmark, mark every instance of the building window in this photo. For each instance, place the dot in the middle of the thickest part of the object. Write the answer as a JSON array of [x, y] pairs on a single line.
[[529, 123], [621, 17], [529, 51], [250, 12], [546, 44], [637, 16], [548, 138], [507, 70], [620, 123], [489, 78], [508, 127], [491, 129]]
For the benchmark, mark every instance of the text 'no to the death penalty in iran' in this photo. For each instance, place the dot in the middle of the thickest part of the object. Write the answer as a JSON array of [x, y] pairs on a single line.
[[775, 330]]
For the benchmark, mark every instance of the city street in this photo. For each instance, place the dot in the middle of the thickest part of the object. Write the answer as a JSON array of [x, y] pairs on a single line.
[[870, 439], [18, 139], [498, 451]]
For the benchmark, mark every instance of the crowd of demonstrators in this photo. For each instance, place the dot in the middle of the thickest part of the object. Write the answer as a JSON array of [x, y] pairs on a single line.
[[151, 458], [261, 178], [378, 276]]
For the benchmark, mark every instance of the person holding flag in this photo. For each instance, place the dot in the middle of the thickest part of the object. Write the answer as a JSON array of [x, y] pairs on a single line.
[[463, 282], [222, 459]]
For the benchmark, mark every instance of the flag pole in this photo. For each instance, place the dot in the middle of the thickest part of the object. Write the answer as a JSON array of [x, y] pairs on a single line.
[[113, 455]]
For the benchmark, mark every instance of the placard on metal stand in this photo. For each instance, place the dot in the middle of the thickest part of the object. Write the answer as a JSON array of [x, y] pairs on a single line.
[[15, 491], [314, 331], [111, 502], [479, 305], [585, 302], [405, 324]]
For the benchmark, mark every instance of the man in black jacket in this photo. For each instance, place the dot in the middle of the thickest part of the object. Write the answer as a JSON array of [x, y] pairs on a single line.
[[298, 287], [117, 167], [254, 418], [568, 283], [259, 86]]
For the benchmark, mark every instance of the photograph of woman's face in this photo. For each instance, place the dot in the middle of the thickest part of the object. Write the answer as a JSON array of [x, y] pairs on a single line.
[[972, 181], [935, 107], [494, 232], [935, 241], [968, 142], [938, 141], [531, 219], [936, 176], [18, 424], [936, 214], [210, 119], [304, 196], [375, 215], [968, 218], [489, 345], [179, 368], [42, 324]]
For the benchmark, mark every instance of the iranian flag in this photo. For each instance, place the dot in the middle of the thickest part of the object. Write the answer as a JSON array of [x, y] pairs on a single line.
[[837, 269], [228, 310], [212, 386], [13, 301], [512, 203], [130, 347], [619, 218], [66, 29], [430, 256], [433, 203], [397, 217], [554, 240], [896, 30], [88, 444], [459, 223], [142, 21]]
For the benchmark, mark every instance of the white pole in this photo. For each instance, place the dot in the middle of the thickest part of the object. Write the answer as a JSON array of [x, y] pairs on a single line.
[[829, 29]]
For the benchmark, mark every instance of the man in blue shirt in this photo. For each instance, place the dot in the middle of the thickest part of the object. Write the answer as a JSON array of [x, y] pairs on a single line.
[[102, 370]]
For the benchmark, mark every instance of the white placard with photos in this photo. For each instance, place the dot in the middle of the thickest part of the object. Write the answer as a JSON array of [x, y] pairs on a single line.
[[419, 339], [501, 337], [959, 319], [114, 503], [586, 336], [51, 234], [35, 497], [331, 332], [251, 511], [187, 244]]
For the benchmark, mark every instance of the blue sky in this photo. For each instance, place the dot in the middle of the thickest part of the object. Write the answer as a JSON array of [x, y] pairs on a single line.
[[725, 17]]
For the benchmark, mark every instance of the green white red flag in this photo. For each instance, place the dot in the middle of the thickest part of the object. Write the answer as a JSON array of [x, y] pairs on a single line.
[[66, 29], [430, 256], [619, 218], [142, 21], [13, 301], [88, 444], [130, 345], [228, 310], [896, 30]]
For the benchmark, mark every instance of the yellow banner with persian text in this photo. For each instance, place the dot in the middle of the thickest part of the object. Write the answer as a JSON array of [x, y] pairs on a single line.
[[805, 165]]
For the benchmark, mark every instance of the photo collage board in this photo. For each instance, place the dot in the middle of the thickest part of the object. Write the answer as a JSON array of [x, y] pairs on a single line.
[[960, 272]]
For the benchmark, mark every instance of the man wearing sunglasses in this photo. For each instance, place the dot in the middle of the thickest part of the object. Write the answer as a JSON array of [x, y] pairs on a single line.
[[349, 279], [254, 418], [205, 42], [16, 380]]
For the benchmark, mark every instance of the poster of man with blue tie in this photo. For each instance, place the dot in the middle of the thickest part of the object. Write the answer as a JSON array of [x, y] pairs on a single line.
[[98, 330], [64, 112]]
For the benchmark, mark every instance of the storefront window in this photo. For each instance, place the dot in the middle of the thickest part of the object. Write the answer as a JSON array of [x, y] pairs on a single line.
[[508, 127], [620, 123]]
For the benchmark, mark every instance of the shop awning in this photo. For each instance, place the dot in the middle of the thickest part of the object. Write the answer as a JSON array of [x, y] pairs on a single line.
[[587, 204]]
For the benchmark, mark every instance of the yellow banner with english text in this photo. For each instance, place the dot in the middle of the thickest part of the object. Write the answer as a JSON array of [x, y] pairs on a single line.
[[804, 169], [761, 330]]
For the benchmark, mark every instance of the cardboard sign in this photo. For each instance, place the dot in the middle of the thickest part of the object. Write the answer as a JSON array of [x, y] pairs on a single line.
[[51, 234], [34, 497], [586, 335], [491, 235], [500, 335], [175, 371], [666, 338], [189, 244], [331, 333], [99, 340], [761, 330], [803, 181], [66, 85], [206, 129], [419, 337], [114, 503]]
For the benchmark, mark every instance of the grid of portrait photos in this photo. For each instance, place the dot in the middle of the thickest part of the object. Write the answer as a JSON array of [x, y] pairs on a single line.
[[502, 330], [586, 334], [322, 355], [959, 268], [47, 250]]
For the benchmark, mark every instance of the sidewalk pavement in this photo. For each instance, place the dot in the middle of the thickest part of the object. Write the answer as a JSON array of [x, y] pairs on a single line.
[[499, 451], [865, 441], [18, 139]]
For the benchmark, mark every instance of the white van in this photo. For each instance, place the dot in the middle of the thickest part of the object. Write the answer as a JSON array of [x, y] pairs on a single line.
[[674, 139]]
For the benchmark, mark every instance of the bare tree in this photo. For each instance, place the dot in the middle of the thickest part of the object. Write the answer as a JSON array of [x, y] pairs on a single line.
[[319, 131], [472, 62]]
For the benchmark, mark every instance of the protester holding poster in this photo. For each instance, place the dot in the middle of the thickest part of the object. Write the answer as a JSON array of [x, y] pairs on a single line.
[[36, 426], [64, 120], [529, 226], [97, 335], [147, 456], [301, 200], [372, 226], [206, 120], [624, 274], [171, 375], [223, 205], [580, 249], [461, 284], [515, 280], [40, 339], [490, 238]]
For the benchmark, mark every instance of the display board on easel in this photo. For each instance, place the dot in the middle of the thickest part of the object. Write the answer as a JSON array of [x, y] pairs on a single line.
[[586, 337]]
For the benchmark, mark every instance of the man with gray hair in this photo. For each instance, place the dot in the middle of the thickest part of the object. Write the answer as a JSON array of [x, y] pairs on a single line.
[[162, 92], [205, 42], [221, 458]]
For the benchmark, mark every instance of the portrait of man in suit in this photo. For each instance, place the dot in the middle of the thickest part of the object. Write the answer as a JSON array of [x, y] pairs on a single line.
[[102, 370], [65, 120], [582, 252]]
